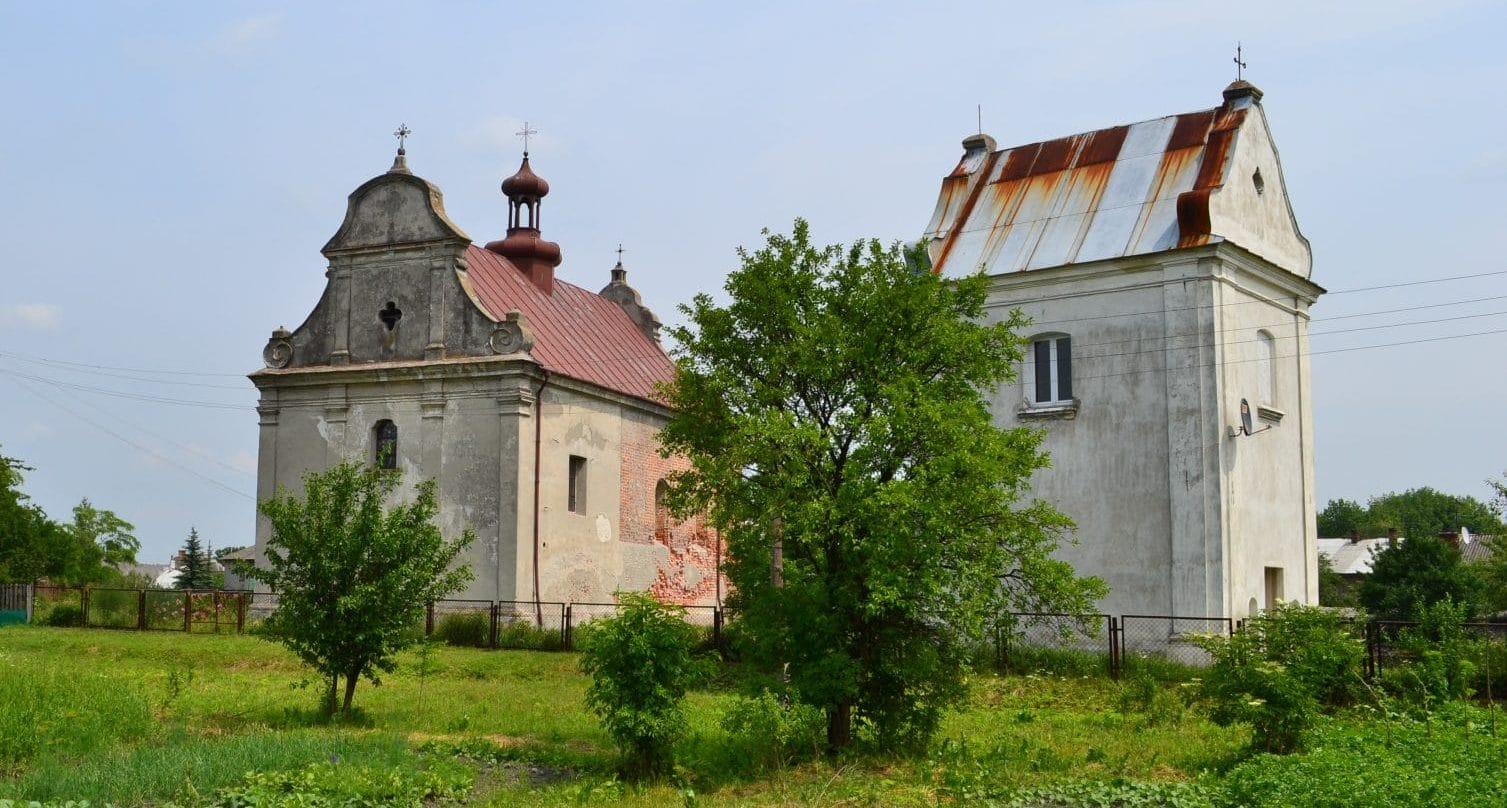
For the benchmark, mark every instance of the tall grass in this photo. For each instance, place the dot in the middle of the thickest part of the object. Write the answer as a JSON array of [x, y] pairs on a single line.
[[65, 709]]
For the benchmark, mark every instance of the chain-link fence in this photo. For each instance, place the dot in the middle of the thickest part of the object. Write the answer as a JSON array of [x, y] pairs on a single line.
[[1169, 638], [1028, 642]]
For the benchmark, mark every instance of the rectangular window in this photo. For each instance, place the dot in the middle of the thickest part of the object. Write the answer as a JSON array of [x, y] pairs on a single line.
[[1052, 370], [577, 485]]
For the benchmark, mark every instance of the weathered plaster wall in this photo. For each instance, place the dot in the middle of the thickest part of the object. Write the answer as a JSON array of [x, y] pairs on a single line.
[[1174, 514]]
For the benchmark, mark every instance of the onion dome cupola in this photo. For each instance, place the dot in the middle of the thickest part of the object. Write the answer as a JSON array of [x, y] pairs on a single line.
[[523, 246]]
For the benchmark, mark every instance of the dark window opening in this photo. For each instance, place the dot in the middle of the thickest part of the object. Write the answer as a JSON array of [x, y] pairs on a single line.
[[386, 444], [661, 512], [1052, 370], [390, 315], [576, 497]]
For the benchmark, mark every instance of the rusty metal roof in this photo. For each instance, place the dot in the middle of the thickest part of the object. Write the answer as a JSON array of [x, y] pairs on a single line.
[[1125, 190], [577, 333]]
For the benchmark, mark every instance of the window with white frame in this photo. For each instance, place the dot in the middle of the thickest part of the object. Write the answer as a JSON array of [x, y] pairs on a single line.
[[1266, 381], [1049, 370]]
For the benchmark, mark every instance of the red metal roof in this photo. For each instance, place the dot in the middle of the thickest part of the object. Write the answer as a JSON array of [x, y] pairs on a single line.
[[577, 333]]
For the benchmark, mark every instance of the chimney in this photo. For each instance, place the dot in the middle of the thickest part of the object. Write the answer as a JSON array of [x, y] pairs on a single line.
[[1391, 538], [1355, 536], [182, 560], [978, 143], [1451, 538]]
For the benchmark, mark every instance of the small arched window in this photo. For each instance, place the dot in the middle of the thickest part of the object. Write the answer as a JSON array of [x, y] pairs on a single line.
[[661, 511], [1049, 370], [1266, 379], [385, 444]]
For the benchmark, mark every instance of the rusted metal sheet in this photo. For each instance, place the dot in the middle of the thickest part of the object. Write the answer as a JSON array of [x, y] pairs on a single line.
[[1124, 190]]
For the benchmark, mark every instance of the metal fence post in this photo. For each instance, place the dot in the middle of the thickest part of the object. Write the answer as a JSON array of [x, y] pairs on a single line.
[[240, 614], [141, 610], [492, 632], [31, 594], [717, 627], [1114, 651], [83, 597], [188, 600], [568, 638]]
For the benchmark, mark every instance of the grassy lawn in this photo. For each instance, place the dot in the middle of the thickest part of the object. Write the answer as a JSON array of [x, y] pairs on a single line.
[[147, 718]]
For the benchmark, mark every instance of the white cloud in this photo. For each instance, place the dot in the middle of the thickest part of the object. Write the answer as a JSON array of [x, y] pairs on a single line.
[[244, 35], [30, 316]]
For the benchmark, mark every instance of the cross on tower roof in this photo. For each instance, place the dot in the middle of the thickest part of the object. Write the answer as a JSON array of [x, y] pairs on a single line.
[[402, 134], [1239, 64], [620, 252], [524, 133]]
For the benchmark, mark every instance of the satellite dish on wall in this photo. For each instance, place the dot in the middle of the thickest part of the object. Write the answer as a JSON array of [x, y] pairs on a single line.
[[1245, 416]]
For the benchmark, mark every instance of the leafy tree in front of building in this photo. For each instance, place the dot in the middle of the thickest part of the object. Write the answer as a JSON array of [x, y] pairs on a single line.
[[875, 517], [353, 575], [87, 550], [1415, 574]]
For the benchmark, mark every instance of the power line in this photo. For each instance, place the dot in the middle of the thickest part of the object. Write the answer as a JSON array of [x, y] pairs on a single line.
[[33, 358], [123, 439], [125, 395]]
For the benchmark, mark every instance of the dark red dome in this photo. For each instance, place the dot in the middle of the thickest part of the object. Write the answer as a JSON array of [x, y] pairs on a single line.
[[525, 183]]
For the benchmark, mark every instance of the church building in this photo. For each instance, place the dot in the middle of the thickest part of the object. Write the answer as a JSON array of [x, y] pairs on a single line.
[[1167, 285], [531, 401]]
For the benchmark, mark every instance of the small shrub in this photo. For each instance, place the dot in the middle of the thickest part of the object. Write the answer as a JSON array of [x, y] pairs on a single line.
[[1279, 671], [64, 615], [525, 636], [466, 629], [641, 662], [1156, 705], [1441, 666], [774, 733]]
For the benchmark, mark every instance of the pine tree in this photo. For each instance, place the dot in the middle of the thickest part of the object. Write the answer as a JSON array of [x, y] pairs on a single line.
[[196, 573]]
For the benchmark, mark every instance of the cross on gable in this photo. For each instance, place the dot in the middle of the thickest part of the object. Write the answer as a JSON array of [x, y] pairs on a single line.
[[1239, 64]]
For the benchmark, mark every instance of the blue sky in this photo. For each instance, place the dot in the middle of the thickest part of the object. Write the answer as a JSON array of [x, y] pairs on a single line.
[[170, 170]]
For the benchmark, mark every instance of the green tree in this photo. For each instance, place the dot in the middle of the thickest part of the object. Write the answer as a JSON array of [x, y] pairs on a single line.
[[196, 572], [873, 513], [353, 576], [29, 537], [640, 662], [1426, 512], [1342, 517], [1416, 573], [1493, 570]]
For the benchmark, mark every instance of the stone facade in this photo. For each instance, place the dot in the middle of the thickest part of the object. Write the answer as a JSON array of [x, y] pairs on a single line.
[[528, 399], [1167, 285]]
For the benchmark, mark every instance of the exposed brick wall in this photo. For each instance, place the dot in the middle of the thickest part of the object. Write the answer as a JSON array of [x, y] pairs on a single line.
[[689, 576]]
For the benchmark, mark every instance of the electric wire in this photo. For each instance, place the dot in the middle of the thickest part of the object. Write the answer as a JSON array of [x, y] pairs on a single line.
[[133, 444]]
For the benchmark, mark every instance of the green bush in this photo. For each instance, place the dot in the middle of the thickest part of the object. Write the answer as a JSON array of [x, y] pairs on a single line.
[[63, 615], [772, 733], [525, 636], [641, 662], [1440, 667], [1279, 671], [467, 629]]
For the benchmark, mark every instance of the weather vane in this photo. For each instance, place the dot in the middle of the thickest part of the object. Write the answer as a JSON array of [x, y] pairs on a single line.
[[1239, 64], [524, 133], [402, 135]]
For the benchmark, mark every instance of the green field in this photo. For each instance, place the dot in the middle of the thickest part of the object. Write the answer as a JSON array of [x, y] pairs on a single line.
[[151, 718]]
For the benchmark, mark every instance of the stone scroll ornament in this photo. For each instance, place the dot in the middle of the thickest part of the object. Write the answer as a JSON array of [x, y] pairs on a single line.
[[512, 335], [279, 350]]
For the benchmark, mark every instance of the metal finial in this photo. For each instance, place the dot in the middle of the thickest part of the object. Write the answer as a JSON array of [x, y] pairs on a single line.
[[402, 134], [620, 252], [1240, 64], [524, 133], [981, 118]]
